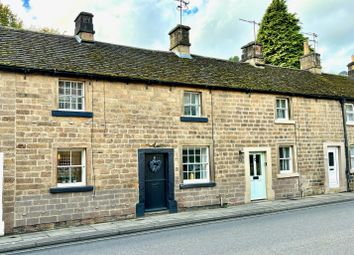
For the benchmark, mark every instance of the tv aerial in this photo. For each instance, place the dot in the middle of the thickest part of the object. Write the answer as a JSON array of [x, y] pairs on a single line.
[[182, 5], [255, 25], [313, 39]]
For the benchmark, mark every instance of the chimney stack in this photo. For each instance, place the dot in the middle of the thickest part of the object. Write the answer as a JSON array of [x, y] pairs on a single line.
[[179, 41], [311, 61], [252, 54], [84, 27], [351, 68]]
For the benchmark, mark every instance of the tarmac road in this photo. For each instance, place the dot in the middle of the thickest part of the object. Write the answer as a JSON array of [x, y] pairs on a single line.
[[318, 230]]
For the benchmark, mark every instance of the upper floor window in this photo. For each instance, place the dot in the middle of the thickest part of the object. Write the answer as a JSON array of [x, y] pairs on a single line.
[[192, 104], [282, 109], [71, 167], [71, 95], [285, 159], [195, 165], [349, 113]]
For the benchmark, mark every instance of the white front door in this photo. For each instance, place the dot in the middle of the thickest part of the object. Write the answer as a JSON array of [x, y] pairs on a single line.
[[257, 175], [333, 167]]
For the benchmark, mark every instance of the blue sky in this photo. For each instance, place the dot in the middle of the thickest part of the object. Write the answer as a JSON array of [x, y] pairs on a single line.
[[215, 27], [26, 4]]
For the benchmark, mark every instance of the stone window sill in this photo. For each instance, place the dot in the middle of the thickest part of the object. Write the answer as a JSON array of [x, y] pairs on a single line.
[[285, 122], [197, 185], [60, 113], [194, 119], [56, 190], [282, 176], [350, 123]]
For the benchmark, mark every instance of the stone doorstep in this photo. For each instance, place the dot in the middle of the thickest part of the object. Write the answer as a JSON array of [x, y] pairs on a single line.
[[101, 230]]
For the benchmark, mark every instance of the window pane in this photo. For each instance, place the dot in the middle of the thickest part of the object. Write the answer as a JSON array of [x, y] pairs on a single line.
[[350, 117], [193, 111], [186, 98], [73, 103], [286, 152], [197, 99], [352, 151], [63, 175], [331, 159], [63, 158], [283, 104], [76, 158], [251, 165], [258, 165], [187, 110], [76, 174], [281, 114]]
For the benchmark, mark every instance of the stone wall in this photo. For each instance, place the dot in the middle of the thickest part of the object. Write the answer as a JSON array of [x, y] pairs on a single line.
[[128, 117], [7, 143]]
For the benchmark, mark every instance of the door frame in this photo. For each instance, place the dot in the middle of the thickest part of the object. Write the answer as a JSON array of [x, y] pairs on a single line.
[[268, 172], [170, 189], [263, 166], [341, 167]]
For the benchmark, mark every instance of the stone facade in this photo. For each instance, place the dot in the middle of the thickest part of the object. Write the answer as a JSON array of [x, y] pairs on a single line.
[[128, 117]]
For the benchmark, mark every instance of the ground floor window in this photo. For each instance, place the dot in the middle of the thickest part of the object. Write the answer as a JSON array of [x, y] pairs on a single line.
[[71, 165], [352, 157], [196, 165], [285, 160]]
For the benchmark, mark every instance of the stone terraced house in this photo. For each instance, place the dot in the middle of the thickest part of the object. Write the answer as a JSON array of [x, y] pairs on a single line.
[[93, 132]]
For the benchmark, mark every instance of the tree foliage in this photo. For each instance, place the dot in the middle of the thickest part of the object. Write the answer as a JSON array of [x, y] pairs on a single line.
[[234, 59], [280, 36], [48, 30], [8, 18]]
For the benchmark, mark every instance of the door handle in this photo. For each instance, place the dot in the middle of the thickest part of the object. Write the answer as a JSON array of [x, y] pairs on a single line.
[[255, 177]]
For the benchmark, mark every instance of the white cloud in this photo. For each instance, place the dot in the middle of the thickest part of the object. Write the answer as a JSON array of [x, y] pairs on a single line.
[[216, 29]]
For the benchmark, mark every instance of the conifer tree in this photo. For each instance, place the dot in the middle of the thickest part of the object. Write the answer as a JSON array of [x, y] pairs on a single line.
[[8, 18], [280, 36]]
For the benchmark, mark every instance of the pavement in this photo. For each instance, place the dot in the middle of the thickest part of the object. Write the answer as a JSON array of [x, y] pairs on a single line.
[[160, 221]]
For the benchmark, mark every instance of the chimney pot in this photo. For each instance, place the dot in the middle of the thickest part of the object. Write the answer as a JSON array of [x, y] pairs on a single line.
[[84, 27], [306, 47], [351, 68], [179, 41], [311, 61]]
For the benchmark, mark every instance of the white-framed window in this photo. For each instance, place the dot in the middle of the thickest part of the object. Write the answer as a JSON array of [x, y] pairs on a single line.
[[282, 109], [71, 96], [285, 159], [71, 167], [349, 113], [195, 165], [192, 104], [352, 157]]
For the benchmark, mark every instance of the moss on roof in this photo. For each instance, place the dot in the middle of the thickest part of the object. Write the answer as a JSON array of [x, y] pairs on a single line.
[[47, 52]]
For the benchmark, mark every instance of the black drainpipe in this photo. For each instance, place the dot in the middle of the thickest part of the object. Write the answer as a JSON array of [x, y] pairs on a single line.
[[347, 163]]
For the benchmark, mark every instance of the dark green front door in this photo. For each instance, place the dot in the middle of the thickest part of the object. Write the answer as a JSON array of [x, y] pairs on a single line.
[[155, 182]]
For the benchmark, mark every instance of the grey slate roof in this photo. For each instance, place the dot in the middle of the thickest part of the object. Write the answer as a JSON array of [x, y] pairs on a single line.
[[60, 54]]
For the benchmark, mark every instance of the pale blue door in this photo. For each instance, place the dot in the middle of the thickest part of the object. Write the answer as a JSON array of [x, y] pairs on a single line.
[[257, 176]]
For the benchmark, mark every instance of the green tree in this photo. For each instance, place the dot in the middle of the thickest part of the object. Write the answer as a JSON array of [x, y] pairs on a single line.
[[8, 18], [48, 30], [234, 59], [280, 36]]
